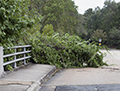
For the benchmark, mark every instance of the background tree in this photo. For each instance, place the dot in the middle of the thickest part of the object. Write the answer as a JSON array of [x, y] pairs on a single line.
[[114, 38], [116, 17], [106, 19], [99, 34], [62, 15]]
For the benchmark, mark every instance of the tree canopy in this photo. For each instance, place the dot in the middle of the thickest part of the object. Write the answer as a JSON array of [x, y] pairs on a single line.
[[13, 17], [62, 14], [106, 19]]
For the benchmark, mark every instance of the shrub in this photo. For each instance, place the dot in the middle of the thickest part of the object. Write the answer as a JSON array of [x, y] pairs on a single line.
[[65, 51]]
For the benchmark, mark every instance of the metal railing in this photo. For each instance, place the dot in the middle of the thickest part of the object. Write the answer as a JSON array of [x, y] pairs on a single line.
[[23, 52]]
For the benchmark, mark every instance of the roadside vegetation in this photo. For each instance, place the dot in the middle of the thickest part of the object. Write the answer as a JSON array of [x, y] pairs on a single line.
[[66, 51], [59, 35]]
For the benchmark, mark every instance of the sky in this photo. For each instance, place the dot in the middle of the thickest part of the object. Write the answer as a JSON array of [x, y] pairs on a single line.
[[83, 5]]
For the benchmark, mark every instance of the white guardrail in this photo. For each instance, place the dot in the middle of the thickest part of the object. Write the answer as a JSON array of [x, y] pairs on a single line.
[[24, 52]]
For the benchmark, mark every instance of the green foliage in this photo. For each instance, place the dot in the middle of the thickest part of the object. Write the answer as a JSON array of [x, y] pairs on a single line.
[[107, 19], [99, 34], [13, 17], [102, 18], [114, 38], [116, 17], [62, 15], [48, 30], [15, 22], [65, 51]]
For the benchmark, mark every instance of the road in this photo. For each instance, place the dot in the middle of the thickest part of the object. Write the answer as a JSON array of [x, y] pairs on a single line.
[[114, 87], [88, 79]]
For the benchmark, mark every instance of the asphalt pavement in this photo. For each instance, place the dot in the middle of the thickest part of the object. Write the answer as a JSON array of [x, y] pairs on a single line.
[[106, 78], [110, 87]]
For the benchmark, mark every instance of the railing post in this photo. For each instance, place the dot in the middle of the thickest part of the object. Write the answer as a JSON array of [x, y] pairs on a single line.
[[1, 61], [15, 64], [25, 56]]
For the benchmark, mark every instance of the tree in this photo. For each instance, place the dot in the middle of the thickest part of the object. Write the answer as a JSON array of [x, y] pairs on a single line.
[[116, 17], [13, 17], [99, 34], [105, 19], [107, 14], [63, 16], [114, 38], [51, 12], [88, 12], [80, 29]]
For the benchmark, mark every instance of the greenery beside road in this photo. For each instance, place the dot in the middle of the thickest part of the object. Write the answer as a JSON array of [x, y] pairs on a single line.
[[59, 35], [66, 51]]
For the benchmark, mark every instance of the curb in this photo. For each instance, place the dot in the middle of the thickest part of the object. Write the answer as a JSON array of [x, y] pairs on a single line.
[[34, 87], [110, 67], [37, 85], [48, 75]]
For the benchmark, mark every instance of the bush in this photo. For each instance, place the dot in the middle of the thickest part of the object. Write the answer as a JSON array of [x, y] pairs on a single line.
[[65, 51]]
